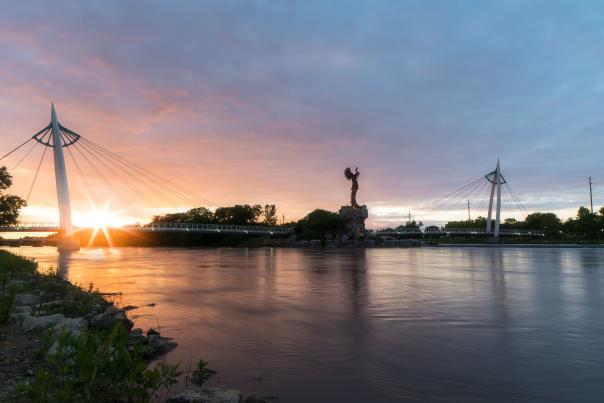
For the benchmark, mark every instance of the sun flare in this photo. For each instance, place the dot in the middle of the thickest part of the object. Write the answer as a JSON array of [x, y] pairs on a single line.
[[99, 219]]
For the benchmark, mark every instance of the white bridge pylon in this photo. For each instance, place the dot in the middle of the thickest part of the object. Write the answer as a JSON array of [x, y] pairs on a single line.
[[58, 138], [496, 180]]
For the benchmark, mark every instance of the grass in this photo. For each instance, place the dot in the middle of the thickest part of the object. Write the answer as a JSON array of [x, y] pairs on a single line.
[[95, 366]]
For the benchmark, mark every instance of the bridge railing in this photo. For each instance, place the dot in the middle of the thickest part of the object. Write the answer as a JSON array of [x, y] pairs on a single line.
[[460, 231], [210, 228], [30, 227]]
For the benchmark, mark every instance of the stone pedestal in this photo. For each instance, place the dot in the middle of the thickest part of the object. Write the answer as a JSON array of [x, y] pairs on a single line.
[[354, 217]]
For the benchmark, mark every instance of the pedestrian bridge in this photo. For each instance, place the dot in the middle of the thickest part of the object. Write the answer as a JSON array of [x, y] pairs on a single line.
[[210, 228], [460, 231], [166, 227]]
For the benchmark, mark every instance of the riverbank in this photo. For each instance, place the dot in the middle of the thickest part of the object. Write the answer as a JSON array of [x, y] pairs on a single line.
[[62, 343]]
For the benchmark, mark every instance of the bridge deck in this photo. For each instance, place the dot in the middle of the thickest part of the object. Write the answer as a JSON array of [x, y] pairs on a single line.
[[461, 231]]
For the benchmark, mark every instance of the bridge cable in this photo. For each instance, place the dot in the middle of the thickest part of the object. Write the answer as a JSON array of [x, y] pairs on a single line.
[[25, 156], [155, 189], [150, 182], [15, 149], [31, 187], [438, 204], [89, 190], [162, 180], [115, 171], [110, 188]]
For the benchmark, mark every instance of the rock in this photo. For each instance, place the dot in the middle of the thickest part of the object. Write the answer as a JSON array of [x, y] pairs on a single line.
[[42, 322], [152, 332], [121, 316], [110, 310], [72, 325], [129, 307], [254, 399], [354, 217], [159, 345], [27, 299], [107, 320], [136, 336], [206, 395], [23, 310], [151, 304], [102, 321]]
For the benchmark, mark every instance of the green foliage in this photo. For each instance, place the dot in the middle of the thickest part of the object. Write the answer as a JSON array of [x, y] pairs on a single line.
[[586, 225], [202, 373], [411, 225], [479, 222], [7, 301], [240, 214], [199, 215], [548, 222], [318, 224], [10, 205], [96, 367], [270, 214]]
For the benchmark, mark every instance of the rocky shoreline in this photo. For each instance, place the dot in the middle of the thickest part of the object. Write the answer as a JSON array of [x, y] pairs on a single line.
[[44, 313]]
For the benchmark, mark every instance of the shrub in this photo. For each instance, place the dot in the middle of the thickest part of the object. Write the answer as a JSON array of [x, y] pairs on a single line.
[[96, 367]]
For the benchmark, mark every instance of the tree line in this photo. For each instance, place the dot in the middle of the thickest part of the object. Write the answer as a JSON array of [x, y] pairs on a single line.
[[585, 225], [239, 214]]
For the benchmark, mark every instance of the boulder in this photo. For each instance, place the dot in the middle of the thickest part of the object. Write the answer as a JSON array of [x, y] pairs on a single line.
[[206, 395], [102, 321], [42, 322], [106, 320], [159, 345], [27, 299], [72, 325]]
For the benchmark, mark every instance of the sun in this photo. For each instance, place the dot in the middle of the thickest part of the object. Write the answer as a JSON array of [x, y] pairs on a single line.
[[99, 219]]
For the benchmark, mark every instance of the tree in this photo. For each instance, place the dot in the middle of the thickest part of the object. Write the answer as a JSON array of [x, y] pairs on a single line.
[[547, 222], [199, 215], [10, 205], [586, 225], [240, 214], [270, 214], [318, 224], [410, 225]]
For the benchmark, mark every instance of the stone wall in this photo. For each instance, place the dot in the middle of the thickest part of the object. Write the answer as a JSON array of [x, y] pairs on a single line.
[[354, 217]]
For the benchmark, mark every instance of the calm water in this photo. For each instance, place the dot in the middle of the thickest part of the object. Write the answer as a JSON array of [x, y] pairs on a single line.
[[378, 325]]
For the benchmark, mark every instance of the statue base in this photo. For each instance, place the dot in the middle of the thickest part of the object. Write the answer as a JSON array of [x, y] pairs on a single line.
[[354, 217], [68, 244]]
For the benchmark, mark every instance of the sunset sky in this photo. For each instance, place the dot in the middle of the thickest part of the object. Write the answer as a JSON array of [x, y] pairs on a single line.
[[269, 101]]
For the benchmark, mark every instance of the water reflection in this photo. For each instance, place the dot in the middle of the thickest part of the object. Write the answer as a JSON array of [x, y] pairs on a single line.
[[380, 325]]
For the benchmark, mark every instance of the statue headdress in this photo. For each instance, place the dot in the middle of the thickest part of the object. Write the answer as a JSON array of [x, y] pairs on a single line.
[[348, 173]]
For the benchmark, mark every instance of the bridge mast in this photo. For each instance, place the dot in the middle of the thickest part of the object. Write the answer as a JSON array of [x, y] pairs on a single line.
[[496, 185], [498, 215], [68, 242]]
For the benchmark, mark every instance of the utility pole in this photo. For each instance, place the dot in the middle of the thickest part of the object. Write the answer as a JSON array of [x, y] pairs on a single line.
[[469, 216], [591, 198]]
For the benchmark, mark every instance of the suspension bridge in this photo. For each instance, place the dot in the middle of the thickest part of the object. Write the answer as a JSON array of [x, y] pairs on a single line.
[[88, 157]]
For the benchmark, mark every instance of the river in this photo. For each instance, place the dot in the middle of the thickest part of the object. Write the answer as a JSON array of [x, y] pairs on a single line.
[[376, 325]]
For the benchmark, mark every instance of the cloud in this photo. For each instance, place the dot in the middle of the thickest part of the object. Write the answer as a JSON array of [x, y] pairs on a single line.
[[269, 101]]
